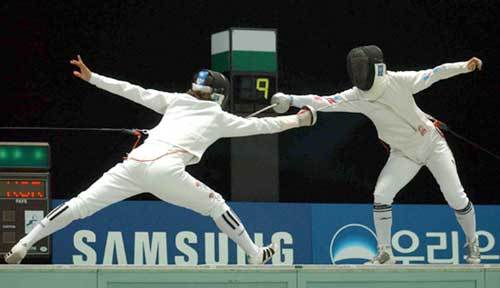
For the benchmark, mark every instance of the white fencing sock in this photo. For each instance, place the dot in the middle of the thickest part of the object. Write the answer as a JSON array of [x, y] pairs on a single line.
[[467, 219], [57, 219], [382, 217], [230, 224]]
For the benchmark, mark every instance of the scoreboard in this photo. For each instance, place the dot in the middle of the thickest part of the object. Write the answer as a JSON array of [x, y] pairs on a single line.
[[31, 186], [24, 193], [248, 56], [252, 91]]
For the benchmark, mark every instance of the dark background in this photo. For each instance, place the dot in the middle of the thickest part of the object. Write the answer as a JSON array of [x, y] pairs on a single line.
[[159, 44]]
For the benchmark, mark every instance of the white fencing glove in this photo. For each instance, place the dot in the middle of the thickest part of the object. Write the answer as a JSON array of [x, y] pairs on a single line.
[[282, 102], [307, 116]]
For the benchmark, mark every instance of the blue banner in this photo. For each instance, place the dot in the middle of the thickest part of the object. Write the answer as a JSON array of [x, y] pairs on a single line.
[[344, 234], [153, 232]]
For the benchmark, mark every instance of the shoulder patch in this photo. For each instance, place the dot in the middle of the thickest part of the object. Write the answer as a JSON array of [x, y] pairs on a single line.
[[338, 98]]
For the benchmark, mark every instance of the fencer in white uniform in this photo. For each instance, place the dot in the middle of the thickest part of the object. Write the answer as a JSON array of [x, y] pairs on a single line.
[[191, 122], [386, 98]]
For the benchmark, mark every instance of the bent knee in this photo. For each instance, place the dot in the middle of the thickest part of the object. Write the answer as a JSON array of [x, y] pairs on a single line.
[[217, 206], [382, 198], [457, 201]]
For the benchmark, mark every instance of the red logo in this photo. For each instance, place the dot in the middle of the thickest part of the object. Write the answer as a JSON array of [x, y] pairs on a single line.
[[331, 101], [422, 130]]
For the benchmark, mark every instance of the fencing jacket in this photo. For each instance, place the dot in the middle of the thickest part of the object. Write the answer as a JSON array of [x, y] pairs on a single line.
[[397, 118], [189, 123]]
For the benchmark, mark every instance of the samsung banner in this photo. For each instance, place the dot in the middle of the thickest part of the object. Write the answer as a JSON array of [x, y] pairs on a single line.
[[153, 232]]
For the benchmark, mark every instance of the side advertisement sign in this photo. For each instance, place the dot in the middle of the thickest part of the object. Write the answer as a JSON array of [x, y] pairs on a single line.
[[152, 232]]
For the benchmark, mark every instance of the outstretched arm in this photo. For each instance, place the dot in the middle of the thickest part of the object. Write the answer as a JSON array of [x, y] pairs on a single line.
[[340, 102], [235, 126], [420, 80], [155, 100]]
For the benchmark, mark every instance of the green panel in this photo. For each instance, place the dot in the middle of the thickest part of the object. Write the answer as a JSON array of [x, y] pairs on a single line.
[[102, 276], [187, 284], [492, 278], [394, 284], [220, 62], [248, 61], [253, 61], [395, 278], [64, 278], [196, 278], [24, 156]]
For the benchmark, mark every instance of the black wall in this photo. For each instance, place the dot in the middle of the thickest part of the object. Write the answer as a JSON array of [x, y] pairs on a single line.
[[159, 44]]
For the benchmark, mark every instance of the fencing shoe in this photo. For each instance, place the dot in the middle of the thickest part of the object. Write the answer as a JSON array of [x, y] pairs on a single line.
[[265, 253], [384, 256], [473, 254], [16, 254]]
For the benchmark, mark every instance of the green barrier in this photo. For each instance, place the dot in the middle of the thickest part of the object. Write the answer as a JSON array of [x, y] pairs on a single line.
[[41, 276], [492, 276], [307, 276], [421, 276], [198, 277]]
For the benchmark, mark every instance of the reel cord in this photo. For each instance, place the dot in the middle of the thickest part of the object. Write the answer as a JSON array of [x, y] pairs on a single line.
[[138, 133]]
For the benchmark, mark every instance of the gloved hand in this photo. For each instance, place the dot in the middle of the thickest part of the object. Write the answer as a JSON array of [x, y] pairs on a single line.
[[283, 102], [474, 63], [307, 116]]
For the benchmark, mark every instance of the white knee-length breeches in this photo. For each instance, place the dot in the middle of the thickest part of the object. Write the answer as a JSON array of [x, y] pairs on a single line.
[[165, 177], [399, 170]]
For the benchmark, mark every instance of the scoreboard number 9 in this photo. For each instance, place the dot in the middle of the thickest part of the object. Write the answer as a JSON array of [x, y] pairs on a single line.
[[262, 85]]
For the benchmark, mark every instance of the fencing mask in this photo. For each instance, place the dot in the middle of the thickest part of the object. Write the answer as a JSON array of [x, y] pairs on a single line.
[[213, 83], [367, 71]]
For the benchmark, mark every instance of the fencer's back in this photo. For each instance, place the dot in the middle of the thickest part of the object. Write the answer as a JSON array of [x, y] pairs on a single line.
[[189, 123]]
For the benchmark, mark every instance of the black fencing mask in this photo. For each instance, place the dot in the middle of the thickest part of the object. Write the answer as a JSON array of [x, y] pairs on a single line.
[[362, 68], [212, 82]]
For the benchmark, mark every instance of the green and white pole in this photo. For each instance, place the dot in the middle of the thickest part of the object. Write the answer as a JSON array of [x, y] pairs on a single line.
[[249, 57]]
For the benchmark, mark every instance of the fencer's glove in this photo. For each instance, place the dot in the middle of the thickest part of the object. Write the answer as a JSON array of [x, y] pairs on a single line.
[[307, 116], [474, 63], [282, 102]]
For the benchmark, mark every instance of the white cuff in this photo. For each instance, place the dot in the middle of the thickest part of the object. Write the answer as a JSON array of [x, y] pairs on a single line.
[[94, 78]]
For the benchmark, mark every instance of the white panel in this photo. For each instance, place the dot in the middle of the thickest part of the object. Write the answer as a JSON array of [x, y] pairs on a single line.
[[220, 42], [254, 40]]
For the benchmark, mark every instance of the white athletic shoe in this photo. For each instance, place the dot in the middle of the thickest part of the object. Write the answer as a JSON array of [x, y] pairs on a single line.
[[16, 254], [473, 254], [384, 256], [265, 254]]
